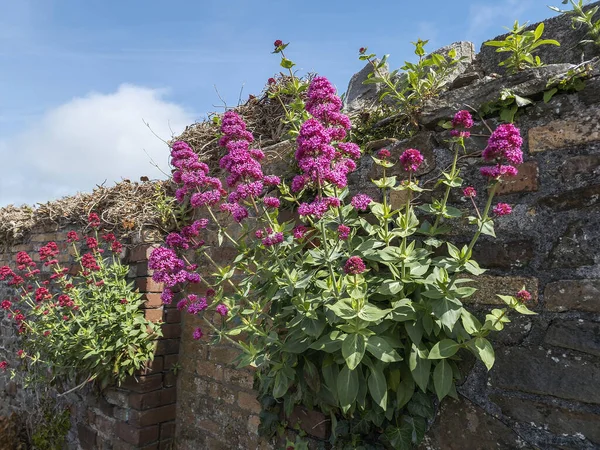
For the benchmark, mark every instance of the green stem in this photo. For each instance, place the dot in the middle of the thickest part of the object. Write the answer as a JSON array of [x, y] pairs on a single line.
[[447, 193], [483, 218]]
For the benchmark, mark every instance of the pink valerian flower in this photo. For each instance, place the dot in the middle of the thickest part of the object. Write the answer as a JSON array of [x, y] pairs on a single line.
[[343, 232], [271, 80], [196, 304], [72, 236], [238, 212], [176, 240], [5, 272], [222, 309], [21, 353], [182, 304], [167, 296], [271, 202], [462, 119], [197, 334], [498, 171], [116, 247], [502, 209], [94, 220], [354, 266], [3, 365], [271, 180], [259, 234], [50, 250], [318, 207], [88, 261], [460, 133], [278, 43], [42, 294], [523, 296], [361, 202], [504, 144], [300, 232], [109, 237], [411, 160], [273, 239], [91, 243], [210, 292], [317, 156], [6, 304], [469, 191], [169, 268], [383, 153], [362, 50], [23, 259], [239, 162]]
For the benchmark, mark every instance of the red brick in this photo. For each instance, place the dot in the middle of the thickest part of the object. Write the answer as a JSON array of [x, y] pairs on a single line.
[[156, 365], [170, 379], [249, 402], [166, 444], [137, 436], [167, 430], [143, 383], [152, 301], [147, 284], [173, 316], [153, 416], [170, 360], [87, 436], [154, 315], [239, 377], [148, 400], [525, 181], [105, 425], [142, 269], [210, 370], [223, 354], [167, 347], [141, 252], [171, 330]]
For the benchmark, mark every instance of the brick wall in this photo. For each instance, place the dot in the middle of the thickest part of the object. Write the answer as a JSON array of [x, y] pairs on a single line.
[[140, 414]]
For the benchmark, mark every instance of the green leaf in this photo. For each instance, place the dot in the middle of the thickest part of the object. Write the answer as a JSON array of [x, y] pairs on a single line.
[[447, 310], [421, 405], [400, 438], [405, 391], [444, 349], [353, 350], [539, 31], [419, 368], [442, 379], [329, 343], [311, 375], [488, 228], [378, 387], [372, 313], [382, 350], [521, 308], [286, 63], [482, 348], [343, 310], [347, 387], [390, 287], [415, 331], [281, 385], [470, 322]]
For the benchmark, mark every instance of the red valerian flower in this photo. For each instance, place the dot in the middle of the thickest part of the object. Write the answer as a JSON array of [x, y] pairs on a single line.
[[271, 80], [502, 209], [6, 304], [411, 160], [469, 191], [3, 365], [94, 220], [354, 266], [197, 334], [278, 43], [383, 153], [362, 50], [72, 236], [523, 296]]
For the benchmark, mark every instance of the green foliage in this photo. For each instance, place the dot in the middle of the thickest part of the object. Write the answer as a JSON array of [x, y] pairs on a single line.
[[573, 81], [521, 45], [371, 349], [506, 106], [89, 327], [581, 17], [51, 432], [406, 92]]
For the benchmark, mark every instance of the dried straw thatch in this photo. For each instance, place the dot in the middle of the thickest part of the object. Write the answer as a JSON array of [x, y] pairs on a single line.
[[126, 208]]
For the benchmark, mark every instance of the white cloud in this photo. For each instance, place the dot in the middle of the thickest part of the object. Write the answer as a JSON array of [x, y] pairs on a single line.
[[89, 140]]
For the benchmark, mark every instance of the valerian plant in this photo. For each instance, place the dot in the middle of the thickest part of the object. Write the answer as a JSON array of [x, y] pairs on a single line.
[[81, 327], [521, 45], [580, 16], [408, 90], [347, 307]]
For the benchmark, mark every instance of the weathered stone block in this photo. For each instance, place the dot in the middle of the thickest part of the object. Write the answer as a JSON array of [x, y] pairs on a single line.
[[461, 425], [542, 371], [580, 295], [525, 181], [565, 133], [576, 335], [551, 417], [580, 198], [488, 286], [359, 95]]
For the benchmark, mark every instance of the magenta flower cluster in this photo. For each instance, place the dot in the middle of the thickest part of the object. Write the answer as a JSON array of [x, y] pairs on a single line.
[[504, 145], [411, 160], [461, 121], [321, 157], [354, 266], [171, 270]]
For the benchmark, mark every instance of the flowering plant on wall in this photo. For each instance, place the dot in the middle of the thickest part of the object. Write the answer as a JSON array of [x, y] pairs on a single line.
[[82, 325], [349, 305]]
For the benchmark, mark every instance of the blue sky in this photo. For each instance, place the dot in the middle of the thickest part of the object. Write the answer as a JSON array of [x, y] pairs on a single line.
[[78, 77]]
